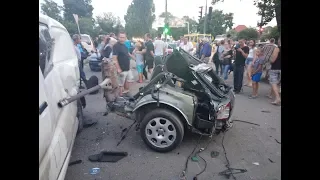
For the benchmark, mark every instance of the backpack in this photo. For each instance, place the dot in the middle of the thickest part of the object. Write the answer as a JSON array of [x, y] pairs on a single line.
[[216, 55]]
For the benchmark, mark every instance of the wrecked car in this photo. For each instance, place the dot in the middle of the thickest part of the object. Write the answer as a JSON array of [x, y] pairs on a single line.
[[183, 94]]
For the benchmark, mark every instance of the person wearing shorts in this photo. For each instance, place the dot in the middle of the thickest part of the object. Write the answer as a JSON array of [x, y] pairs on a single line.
[[275, 74], [138, 57], [249, 60], [149, 51], [122, 62], [256, 73]]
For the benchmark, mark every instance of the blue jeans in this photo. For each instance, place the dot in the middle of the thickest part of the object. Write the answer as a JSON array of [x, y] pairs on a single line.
[[225, 69], [82, 74], [238, 77]]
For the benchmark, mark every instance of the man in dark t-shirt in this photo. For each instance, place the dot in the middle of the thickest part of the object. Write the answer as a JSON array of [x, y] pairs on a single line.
[[149, 52], [122, 62], [241, 54]]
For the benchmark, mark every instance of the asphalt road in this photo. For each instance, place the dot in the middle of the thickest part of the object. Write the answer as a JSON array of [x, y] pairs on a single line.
[[250, 147]]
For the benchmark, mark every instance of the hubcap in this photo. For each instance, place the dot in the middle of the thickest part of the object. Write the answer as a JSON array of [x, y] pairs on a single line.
[[160, 132]]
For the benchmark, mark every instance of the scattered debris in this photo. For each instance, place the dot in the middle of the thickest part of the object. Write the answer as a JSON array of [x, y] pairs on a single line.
[[256, 163], [94, 171], [157, 157], [271, 160], [105, 114], [107, 156], [178, 153], [214, 154], [75, 162], [89, 124], [194, 159], [265, 111], [246, 122], [277, 141], [230, 171]]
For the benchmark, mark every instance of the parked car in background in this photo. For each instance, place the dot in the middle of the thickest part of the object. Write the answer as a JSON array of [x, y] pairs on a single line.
[[95, 61], [58, 79], [87, 43], [219, 38]]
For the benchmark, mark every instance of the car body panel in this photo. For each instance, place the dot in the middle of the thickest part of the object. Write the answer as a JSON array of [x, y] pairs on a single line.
[[58, 83], [184, 102]]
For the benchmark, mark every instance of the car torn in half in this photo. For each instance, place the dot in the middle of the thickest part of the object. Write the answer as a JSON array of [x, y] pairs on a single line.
[[183, 94]]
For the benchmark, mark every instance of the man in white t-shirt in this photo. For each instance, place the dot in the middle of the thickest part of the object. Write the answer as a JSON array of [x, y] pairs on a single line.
[[186, 45], [159, 50]]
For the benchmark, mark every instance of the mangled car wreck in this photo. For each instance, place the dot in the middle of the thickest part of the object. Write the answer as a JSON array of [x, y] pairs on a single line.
[[183, 94]]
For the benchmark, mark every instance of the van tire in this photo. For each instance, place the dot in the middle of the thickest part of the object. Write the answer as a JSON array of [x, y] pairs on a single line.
[[79, 117]]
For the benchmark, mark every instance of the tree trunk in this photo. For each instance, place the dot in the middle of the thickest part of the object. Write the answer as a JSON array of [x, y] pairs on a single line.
[[278, 16]]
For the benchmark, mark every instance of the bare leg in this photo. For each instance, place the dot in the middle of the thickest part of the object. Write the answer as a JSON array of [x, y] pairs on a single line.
[[126, 87], [256, 88], [275, 91], [249, 81]]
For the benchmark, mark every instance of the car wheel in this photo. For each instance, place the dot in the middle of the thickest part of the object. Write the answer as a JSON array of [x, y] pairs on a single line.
[[80, 117], [162, 130]]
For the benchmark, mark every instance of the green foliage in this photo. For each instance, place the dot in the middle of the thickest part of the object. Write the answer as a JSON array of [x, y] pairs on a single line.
[[139, 17], [193, 25], [273, 33], [233, 34], [51, 9], [105, 23], [268, 9], [81, 7], [218, 24], [177, 32], [109, 23], [249, 33]]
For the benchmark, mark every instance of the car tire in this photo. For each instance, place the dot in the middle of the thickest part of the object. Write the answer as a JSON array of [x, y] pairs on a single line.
[[79, 117], [175, 127]]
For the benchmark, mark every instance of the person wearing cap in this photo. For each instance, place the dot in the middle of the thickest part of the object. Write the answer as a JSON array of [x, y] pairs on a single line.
[[205, 51]]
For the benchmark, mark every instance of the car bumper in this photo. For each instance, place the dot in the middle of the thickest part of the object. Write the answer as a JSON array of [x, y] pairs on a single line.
[[95, 64]]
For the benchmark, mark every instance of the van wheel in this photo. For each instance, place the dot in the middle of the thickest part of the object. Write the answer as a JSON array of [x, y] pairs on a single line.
[[162, 130], [80, 117]]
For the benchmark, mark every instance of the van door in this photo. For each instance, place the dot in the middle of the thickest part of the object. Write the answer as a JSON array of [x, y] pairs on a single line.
[[59, 82], [45, 120]]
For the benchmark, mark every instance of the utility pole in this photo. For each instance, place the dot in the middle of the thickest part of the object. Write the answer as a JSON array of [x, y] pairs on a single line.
[[166, 19], [205, 19]]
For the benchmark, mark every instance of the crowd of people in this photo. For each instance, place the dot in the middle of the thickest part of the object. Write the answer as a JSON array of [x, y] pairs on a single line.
[[241, 58], [250, 60]]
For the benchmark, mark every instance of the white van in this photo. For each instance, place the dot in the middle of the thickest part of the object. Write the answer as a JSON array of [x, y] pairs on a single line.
[[58, 79], [87, 43]]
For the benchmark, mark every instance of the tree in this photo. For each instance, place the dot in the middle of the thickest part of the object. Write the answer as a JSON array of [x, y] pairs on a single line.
[[82, 8], [233, 34], [51, 9], [108, 22], [249, 33], [86, 26], [218, 24], [170, 16], [192, 24], [268, 9], [273, 33], [139, 17]]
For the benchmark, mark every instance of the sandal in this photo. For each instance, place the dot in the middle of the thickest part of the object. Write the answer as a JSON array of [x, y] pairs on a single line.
[[276, 103], [268, 96], [252, 97]]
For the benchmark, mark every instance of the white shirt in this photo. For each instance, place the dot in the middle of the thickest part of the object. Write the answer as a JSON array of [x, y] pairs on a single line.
[[250, 55], [159, 46], [186, 47]]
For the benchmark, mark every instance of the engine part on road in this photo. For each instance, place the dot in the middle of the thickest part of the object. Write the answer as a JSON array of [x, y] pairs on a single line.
[[107, 156], [106, 84]]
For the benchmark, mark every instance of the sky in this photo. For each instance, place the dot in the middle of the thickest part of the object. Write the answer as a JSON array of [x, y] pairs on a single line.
[[245, 13]]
